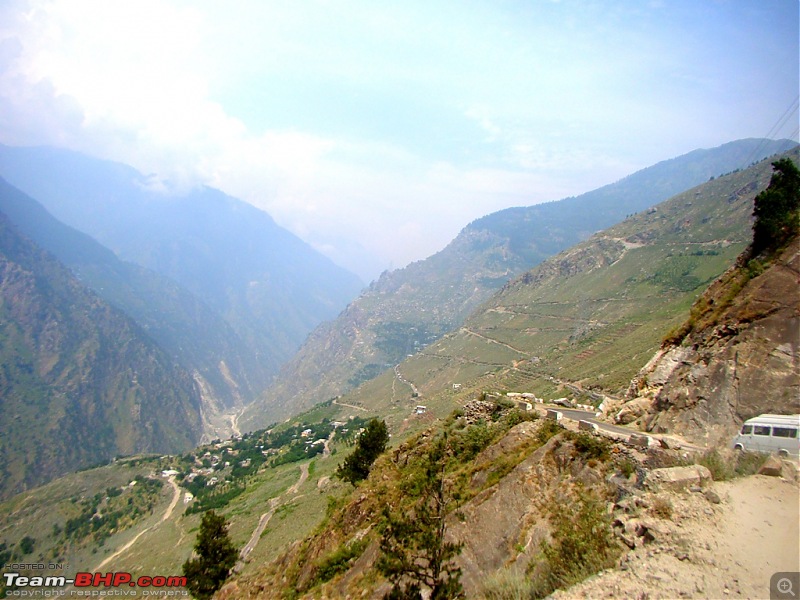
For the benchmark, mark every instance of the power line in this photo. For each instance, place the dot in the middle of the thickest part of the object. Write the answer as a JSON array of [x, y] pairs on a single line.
[[779, 124]]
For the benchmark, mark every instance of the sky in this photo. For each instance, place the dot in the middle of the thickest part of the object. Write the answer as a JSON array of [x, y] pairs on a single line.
[[376, 130]]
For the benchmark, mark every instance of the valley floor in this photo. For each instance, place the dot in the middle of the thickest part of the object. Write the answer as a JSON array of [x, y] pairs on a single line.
[[706, 550]]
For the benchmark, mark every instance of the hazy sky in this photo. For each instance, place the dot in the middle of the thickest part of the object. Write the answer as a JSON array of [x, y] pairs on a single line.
[[376, 130]]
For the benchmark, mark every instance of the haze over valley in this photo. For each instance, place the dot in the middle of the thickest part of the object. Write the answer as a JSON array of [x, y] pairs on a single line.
[[342, 300]]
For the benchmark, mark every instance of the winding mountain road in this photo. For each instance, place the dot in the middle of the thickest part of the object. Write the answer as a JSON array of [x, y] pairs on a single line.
[[274, 504], [176, 494]]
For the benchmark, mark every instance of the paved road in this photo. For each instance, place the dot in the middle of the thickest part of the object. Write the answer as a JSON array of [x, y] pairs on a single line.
[[583, 415]]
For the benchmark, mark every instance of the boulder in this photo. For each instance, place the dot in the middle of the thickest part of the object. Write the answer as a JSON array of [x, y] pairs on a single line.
[[772, 467], [678, 478], [632, 410]]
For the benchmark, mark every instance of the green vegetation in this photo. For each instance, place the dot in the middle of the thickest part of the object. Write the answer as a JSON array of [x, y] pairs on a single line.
[[777, 220], [103, 514], [339, 561], [371, 443], [777, 209], [413, 546], [216, 556], [436, 295], [26, 545], [728, 465], [217, 474], [68, 353], [219, 498], [591, 446], [582, 543], [662, 508]]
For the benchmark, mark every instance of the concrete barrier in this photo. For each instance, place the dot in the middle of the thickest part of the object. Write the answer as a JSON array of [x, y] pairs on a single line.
[[643, 441], [587, 426], [554, 415]]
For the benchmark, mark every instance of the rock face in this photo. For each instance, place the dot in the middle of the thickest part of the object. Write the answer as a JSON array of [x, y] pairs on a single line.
[[745, 364]]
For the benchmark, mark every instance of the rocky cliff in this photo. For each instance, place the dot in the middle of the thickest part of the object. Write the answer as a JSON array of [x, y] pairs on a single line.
[[742, 362]]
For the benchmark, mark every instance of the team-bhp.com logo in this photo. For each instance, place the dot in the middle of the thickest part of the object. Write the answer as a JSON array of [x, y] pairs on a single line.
[[89, 584]]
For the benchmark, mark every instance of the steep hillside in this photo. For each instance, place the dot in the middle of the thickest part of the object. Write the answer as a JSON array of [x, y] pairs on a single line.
[[199, 339], [407, 309], [268, 285], [584, 322], [737, 356], [497, 505], [79, 382]]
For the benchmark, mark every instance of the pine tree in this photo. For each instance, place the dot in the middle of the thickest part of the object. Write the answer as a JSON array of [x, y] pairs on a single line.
[[216, 556], [413, 546], [371, 443], [777, 209]]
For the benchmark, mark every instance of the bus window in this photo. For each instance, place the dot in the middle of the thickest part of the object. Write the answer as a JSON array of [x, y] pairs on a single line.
[[747, 430], [761, 429], [784, 432]]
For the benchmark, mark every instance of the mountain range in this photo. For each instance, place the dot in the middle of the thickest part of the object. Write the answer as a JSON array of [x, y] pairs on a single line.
[[80, 382], [267, 288], [410, 308], [196, 314], [595, 323], [584, 322]]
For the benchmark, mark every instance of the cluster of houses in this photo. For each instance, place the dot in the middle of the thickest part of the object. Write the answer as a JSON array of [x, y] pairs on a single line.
[[223, 455]]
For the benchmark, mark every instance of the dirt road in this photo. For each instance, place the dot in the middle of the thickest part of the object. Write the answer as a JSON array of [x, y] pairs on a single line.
[[709, 550], [274, 503], [176, 494]]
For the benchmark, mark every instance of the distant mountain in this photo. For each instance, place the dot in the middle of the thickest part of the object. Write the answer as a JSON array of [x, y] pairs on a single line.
[[269, 286], [79, 381], [407, 309], [196, 336]]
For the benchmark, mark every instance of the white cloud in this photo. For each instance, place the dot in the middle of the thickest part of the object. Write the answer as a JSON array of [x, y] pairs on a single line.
[[393, 125]]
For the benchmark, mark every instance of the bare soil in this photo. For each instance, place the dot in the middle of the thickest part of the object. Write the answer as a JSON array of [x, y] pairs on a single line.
[[708, 550]]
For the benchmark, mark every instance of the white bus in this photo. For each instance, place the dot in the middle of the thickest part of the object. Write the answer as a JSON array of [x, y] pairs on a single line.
[[770, 433]]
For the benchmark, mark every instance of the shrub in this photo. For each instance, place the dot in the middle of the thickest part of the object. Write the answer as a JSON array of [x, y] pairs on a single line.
[[507, 585], [592, 446], [661, 507], [748, 463], [583, 544], [720, 468], [627, 467], [548, 429], [339, 561], [469, 442]]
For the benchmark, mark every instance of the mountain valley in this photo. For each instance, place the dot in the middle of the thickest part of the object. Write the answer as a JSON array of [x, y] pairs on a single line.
[[408, 309], [577, 328]]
